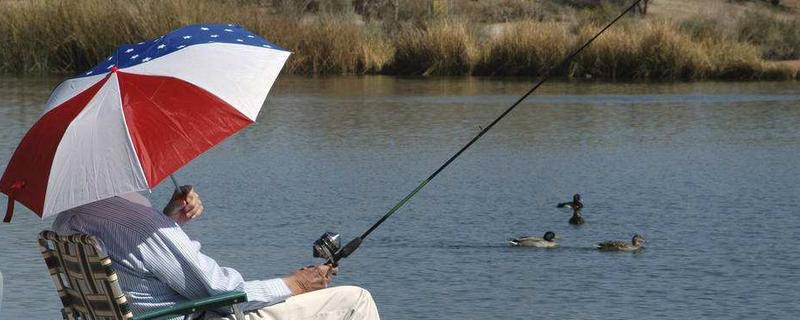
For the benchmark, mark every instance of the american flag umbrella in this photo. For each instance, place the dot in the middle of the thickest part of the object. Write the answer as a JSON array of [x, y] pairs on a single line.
[[140, 115]]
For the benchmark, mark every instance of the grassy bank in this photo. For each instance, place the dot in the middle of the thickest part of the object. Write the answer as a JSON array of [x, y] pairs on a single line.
[[742, 40]]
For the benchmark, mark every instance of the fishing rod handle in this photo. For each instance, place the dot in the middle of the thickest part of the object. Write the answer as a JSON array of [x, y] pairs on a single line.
[[348, 249]]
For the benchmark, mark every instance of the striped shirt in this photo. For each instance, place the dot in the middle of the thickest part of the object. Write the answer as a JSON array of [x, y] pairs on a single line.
[[157, 263]]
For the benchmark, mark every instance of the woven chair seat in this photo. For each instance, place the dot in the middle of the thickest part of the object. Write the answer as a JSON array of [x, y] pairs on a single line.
[[89, 288]]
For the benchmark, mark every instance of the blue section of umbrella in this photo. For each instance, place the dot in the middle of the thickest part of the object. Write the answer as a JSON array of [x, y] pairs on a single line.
[[128, 55]]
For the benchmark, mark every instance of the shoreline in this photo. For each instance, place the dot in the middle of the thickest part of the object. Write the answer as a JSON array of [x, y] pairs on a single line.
[[61, 76]]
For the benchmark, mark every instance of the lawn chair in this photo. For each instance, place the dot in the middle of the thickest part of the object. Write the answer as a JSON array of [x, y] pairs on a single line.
[[88, 288]]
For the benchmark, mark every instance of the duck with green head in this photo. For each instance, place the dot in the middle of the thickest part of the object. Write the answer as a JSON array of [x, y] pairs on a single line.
[[548, 241]]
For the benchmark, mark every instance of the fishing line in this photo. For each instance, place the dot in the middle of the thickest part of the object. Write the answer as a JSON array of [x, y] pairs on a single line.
[[327, 246]]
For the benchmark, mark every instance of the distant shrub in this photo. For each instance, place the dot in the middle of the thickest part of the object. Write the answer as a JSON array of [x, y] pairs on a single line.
[[594, 3], [525, 49], [442, 47], [615, 55], [701, 27], [494, 11], [733, 60], [778, 38], [331, 45], [667, 54]]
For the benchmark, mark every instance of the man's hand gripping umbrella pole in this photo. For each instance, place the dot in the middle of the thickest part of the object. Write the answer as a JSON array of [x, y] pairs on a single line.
[[328, 246]]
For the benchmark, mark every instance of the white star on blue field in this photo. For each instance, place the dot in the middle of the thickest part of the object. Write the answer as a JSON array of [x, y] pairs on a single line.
[[132, 54]]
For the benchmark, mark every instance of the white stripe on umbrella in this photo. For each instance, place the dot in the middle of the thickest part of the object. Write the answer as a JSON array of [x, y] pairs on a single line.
[[95, 159], [233, 81], [69, 89], [26, 175]]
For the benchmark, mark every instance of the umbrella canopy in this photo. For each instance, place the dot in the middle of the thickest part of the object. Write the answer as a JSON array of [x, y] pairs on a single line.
[[140, 115]]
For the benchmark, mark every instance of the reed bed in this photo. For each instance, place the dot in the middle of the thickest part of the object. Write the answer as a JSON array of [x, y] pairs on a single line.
[[613, 56], [40, 36], [328, 45], [528, 48], [69, 36], [777, 38], [659, 51], [666, 55], [443, 47]]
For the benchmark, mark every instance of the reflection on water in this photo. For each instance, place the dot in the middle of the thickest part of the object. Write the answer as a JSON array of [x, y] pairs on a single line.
[[1, 293], [707, 172]]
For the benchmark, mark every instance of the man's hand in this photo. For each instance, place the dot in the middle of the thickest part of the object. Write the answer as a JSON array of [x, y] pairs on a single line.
[[184, 206], [310, 278]]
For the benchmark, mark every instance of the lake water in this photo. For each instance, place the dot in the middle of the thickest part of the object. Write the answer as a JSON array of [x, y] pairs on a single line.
[[708, 173]]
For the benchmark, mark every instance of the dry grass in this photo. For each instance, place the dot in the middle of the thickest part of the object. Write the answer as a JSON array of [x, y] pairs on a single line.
[[642, 50], [329, 45], [660, 51], [56, 36], [443, 47], [46, 36], [59, 36], [527, 48], [732, 60], [667, 55], [614, 55], [778, 38]]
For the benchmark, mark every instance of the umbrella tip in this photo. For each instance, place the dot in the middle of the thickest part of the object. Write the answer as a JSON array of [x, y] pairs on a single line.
[[114, 69]]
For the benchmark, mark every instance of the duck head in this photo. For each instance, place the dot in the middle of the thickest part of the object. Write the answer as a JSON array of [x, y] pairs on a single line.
[[549, 236], [576, 198], [637, 240]]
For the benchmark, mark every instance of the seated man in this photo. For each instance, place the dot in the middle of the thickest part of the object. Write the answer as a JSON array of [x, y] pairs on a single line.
[[159, 265]]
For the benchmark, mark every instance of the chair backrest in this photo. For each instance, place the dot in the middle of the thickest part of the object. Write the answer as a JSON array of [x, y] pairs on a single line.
[[84, 279]]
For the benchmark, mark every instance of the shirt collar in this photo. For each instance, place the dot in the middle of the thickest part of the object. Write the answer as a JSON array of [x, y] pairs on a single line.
[[137, 198]]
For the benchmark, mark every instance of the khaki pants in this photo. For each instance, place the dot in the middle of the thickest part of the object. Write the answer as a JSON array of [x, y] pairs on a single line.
[[345, 302]]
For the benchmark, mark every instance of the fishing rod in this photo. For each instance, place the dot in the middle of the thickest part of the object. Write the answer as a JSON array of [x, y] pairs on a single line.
[[328, 246]]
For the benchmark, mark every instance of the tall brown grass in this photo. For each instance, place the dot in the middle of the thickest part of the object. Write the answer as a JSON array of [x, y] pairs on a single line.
[[528, 48], [443, 47], [614, 55], [329, 45], [666, 54], [657, 50], [732, 60], [777, 38], [61, 36], [70, 36]]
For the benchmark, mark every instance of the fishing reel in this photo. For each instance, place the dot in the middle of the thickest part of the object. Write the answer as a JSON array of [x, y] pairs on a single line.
[[329, 247]]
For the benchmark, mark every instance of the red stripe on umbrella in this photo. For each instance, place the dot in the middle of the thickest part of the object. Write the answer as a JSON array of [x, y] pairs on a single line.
[[171, 122], [25, 178]]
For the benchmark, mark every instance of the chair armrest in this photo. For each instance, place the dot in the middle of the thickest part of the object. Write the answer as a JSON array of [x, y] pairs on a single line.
[[184, 308]]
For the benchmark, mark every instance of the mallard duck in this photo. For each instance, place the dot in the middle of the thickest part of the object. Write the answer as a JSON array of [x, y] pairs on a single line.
[[547, 242], [574, 204], [576, 219], [636, 244]]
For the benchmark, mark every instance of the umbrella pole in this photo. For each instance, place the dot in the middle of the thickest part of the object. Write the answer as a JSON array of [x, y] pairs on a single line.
[[175, 182]]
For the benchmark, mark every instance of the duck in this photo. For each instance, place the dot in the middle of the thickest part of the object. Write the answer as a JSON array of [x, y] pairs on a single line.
[[576, 219], [574, 204], [548, 241], [636, 244]]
